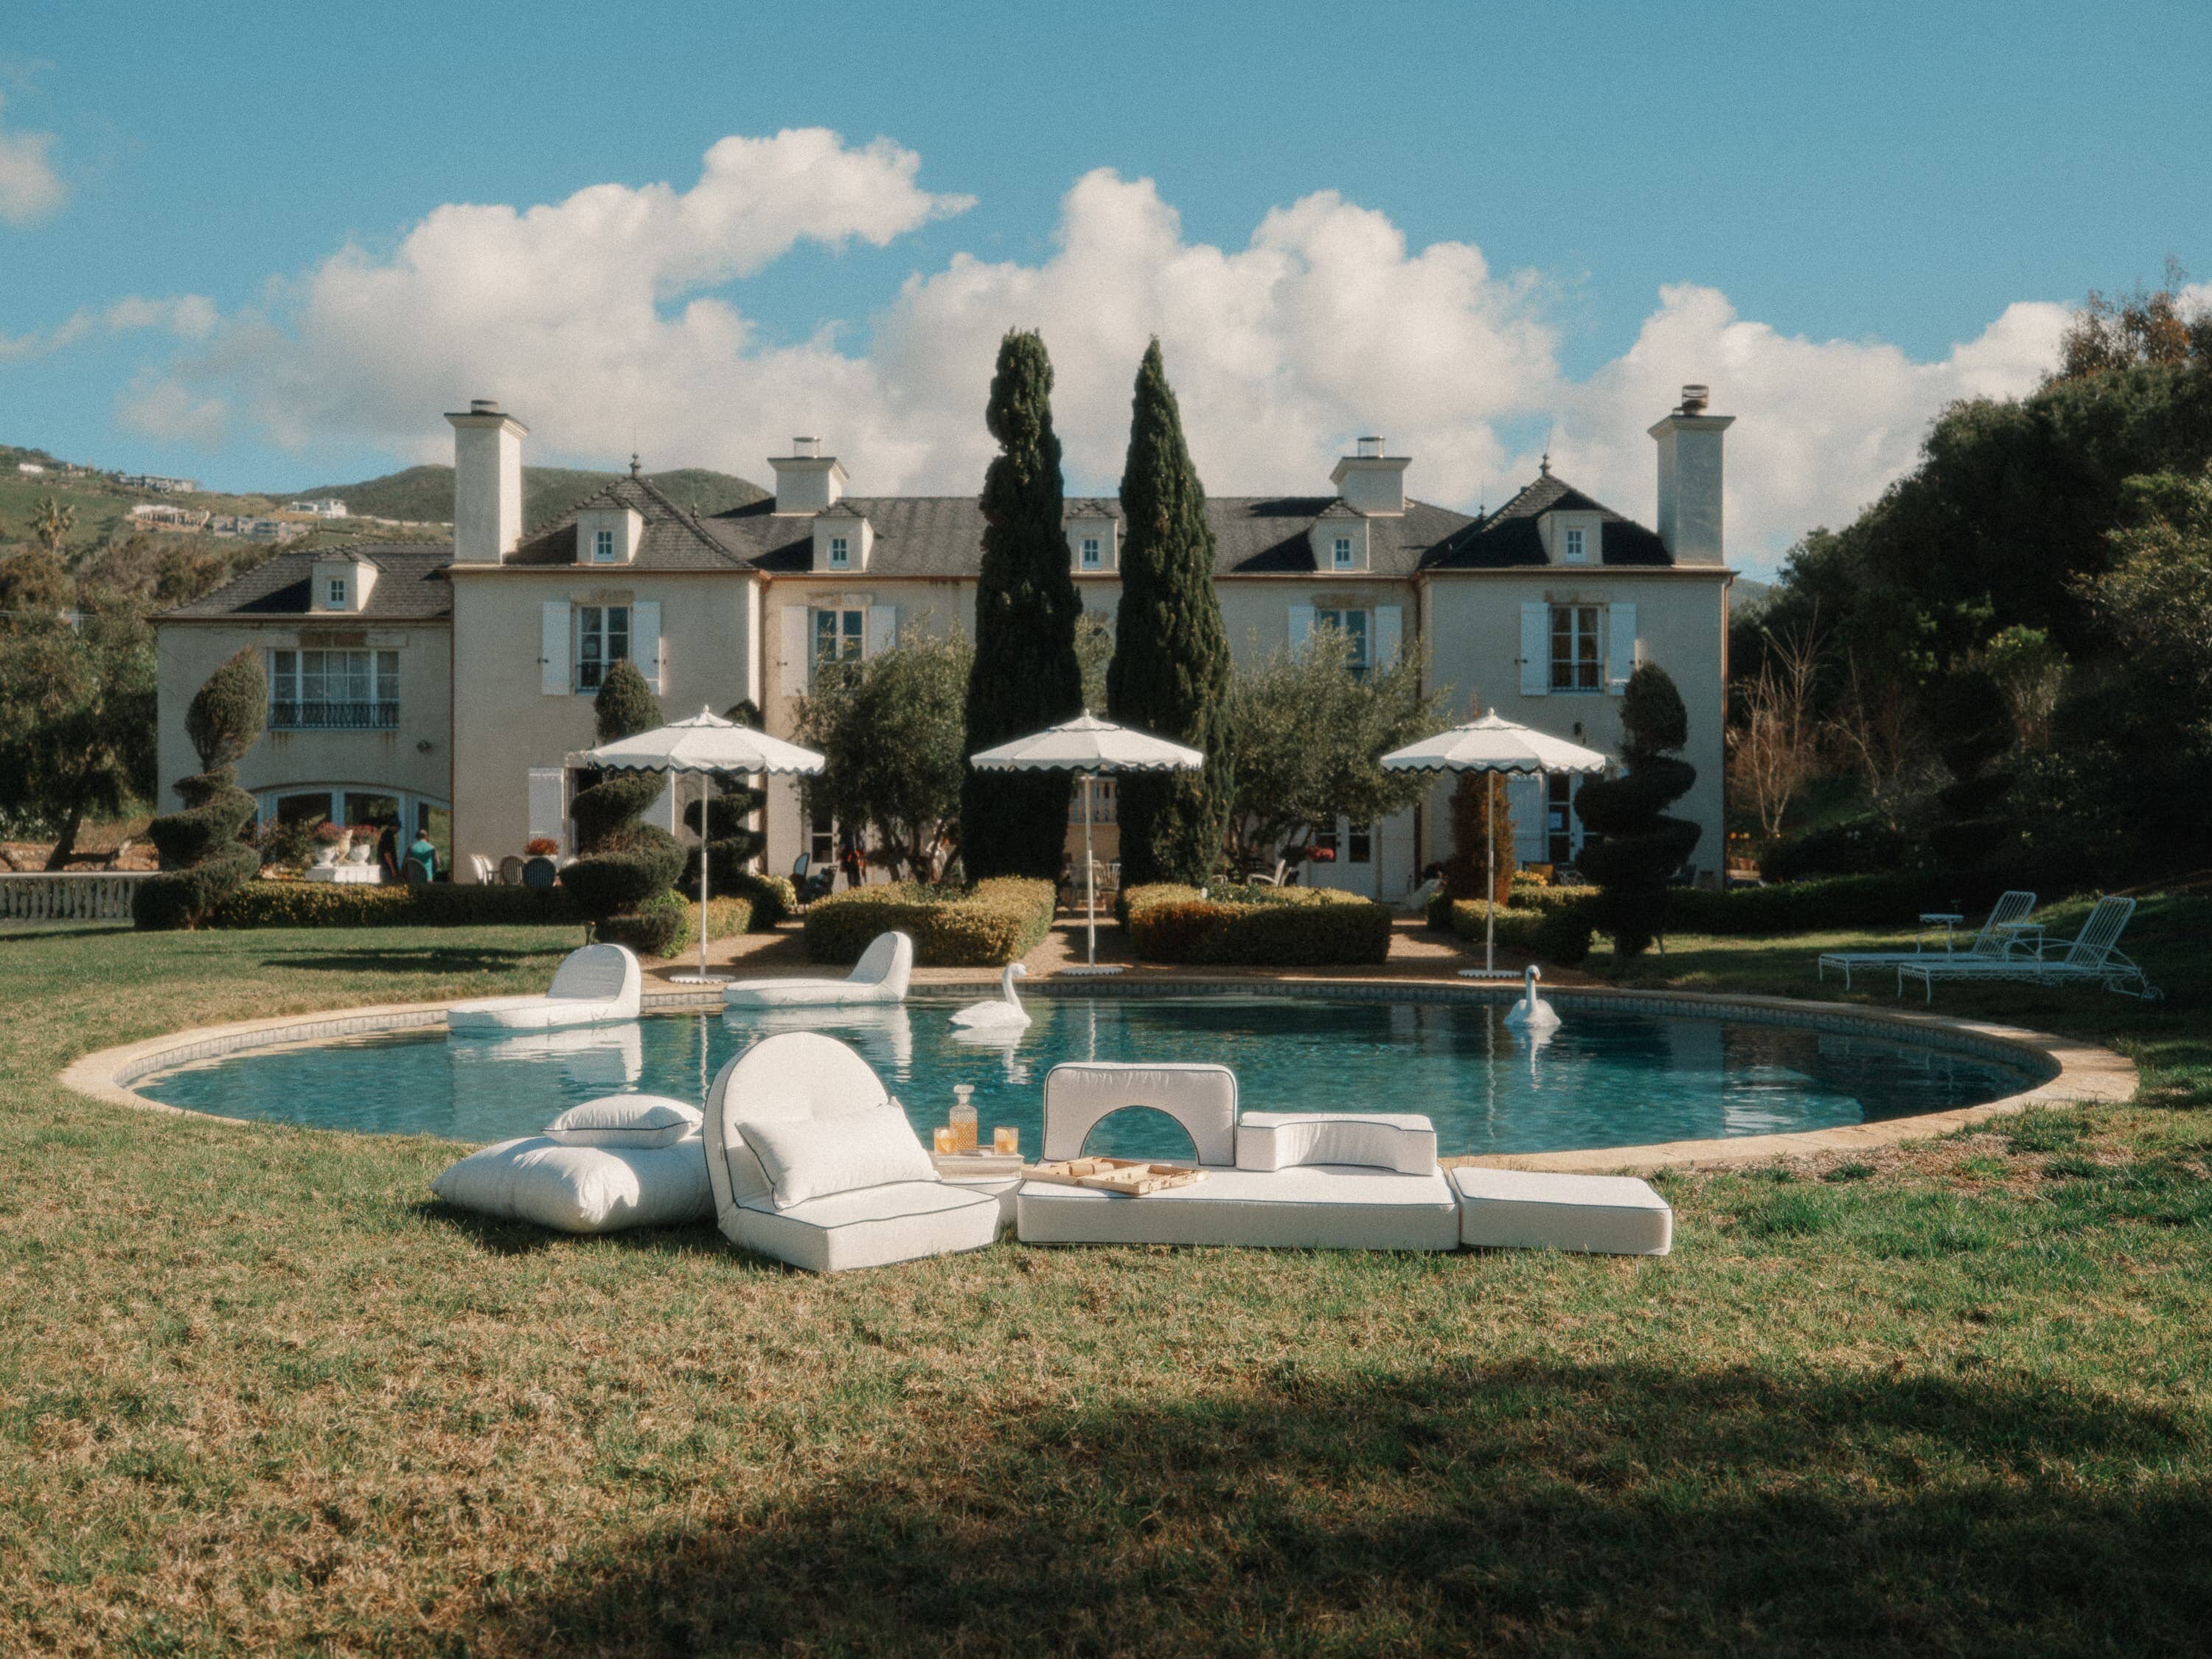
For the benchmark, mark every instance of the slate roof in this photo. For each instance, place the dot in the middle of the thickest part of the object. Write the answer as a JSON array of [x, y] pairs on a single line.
[[411, 587], [1509, 536], [673, 538]]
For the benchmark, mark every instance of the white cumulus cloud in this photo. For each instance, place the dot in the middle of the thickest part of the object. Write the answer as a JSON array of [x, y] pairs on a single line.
[[30, 188], [617, 313]]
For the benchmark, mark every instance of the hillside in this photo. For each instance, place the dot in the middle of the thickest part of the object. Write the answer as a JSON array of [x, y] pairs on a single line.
[[425, 494]]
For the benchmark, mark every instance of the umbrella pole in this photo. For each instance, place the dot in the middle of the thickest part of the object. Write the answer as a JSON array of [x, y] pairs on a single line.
[[1489, 897], [1090, 882], [706, 827]]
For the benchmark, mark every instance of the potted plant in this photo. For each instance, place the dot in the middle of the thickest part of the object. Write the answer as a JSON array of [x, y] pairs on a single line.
[[333, 842], [360, 846]]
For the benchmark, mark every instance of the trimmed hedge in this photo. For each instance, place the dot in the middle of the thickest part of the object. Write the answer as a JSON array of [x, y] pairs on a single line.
[[1255, 926], [1895, 900], [987, 925], [1557, 929], [1865, 848], [659, 930], [439, 904]]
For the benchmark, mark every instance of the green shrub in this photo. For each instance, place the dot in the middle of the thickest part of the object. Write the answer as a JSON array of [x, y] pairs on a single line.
[[188, 897], [1255, 926], [1866, 848], [1838, 902], [771, 897], [661, 924], [987, 925], [226, 714], [438, 904], [615, 883], [203, 859]]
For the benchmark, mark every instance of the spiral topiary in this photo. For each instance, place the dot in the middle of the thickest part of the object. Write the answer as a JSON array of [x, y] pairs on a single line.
[[731, 844], [1642, 847], [204, 861], [629, 867]]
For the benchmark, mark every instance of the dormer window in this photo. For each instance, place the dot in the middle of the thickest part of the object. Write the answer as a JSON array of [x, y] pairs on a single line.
[[334, 593], [840, 553], [1577, 551], [603, 547], [1093, 558], [1340, 553]]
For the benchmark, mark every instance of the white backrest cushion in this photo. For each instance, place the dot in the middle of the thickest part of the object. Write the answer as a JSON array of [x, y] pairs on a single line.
[[1385, 1141], [792, 1075], [1202, 1099], [805, 1157], [889, 962], [626, 1121], [598, 973]]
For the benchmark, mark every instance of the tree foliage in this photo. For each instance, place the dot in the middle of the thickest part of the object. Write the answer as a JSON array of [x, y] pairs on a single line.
[[77, 710], [1171, 669], [1309, 737], [225, 716], [892, 738], [1024, 673], [1642, 847], [204, 861]]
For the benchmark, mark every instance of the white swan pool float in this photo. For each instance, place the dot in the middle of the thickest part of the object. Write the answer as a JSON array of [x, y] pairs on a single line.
[[1003, 1012], [1532, 1012]]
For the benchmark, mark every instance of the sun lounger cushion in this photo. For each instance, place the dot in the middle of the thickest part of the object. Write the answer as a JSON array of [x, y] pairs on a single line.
[[881, 975], [626, 1121], [582, 1190], [1329, 1206], [808, 1157], [1202, 1099], [1534, 1209], [870, 1226], [595, 985], [1403, 1141]]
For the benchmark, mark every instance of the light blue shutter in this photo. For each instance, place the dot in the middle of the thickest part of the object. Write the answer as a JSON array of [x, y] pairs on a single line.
[[883, 628], [796, 644], [1524, 799], [553, 649], [644, 643], [1390, 634], [1301, 624], [1619, 646], [1535, 648]]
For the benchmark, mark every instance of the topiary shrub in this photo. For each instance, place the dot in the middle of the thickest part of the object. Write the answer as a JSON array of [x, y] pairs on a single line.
[[658, 926], [204, 861], [769, 898], [1642, 846], [1255, 926], [628, 866]]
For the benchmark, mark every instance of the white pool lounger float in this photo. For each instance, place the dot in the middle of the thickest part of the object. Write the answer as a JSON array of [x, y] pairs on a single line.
[[624, 1161], [1539, 1210], [880, 976], [598, 985]]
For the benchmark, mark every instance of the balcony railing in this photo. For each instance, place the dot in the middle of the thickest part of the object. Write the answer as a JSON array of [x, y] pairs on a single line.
[[333, 716]]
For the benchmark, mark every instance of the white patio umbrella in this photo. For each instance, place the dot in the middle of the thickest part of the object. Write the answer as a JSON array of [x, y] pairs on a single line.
[[706, 745], [1493, 744], [1091, 748]]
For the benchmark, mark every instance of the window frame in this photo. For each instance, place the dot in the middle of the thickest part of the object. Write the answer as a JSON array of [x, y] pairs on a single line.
[[594, 629], [334, 593], [295, 686], [840, 553], [1574, 544], [1340, 554], [603, 550], [1578, 670], [847, 636], [1362, 636], [1091, 553]]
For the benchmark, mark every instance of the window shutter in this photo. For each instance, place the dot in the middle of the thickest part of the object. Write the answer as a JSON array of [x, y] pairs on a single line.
[[1524, 799], [795, 619], [1301, 624], [553, 666], [1390, 634], [549, 807], [644, 643], [883, 628], [1535, 648], [1619, 646]]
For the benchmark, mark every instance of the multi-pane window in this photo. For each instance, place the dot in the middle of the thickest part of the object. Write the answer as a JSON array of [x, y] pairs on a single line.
[[840, 636], [1360, 844], [1574, 553], [821, 841], [840, 552], [335, 593], [1093, 557], [1340, 554], [603, 547], [602, 640], [1104, 806], [1578, 658], [333, 690], [1354, 625]]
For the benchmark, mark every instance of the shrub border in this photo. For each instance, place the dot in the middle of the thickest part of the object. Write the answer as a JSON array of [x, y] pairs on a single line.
[[2076, 1072]]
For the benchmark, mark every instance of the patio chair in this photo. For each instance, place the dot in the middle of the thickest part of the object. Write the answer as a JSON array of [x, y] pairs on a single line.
[[809, 883], [2092, 957], [1262, 878], [2000, 934], [485, 870]]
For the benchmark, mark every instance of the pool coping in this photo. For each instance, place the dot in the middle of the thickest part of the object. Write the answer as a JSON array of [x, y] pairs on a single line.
[[2076, 1072]]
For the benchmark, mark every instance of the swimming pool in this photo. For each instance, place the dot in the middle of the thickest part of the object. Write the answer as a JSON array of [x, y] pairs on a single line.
[[1606, 1077]]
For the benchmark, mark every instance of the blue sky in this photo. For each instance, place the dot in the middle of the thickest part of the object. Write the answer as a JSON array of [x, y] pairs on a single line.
[[1885, 178]]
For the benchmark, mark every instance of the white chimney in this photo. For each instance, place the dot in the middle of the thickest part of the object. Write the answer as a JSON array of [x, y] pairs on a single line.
[[1690, 479], [487, 483], [1370, 481], [806, 480]]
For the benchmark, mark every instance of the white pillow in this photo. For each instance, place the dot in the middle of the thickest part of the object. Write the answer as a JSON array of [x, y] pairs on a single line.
[[626, 1121], [583, 1190], [805, 1157]]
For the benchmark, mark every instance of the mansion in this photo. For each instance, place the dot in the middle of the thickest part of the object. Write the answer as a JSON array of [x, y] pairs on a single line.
[[420, 681]]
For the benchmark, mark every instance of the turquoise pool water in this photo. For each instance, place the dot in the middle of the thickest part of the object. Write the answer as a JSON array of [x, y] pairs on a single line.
[[1606, 1077]]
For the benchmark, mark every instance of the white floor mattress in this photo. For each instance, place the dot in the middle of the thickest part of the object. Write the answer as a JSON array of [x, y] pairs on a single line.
[[1329, 1206], [1538, 1209]]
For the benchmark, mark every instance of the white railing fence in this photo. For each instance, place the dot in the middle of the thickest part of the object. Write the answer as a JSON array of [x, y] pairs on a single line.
[[68, 894]]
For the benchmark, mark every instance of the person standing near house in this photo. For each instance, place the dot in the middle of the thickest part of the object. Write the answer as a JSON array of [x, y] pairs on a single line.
[[423, 856], [387, 852]]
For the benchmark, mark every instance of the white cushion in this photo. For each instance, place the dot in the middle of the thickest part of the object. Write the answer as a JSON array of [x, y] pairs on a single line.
[[582, 1190], [1202, 1099], [869, 1227], [794, 1074], [1326, 1206], [1536, 1209], [1403, 1141], [814, 1156], [626, 1121]]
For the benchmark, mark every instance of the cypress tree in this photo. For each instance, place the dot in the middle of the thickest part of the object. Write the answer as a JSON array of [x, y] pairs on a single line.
[[1170, 670], [1026, 675]]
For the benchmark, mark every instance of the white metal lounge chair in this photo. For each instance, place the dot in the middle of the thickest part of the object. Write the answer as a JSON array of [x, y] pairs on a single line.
[[1998, 938], [880, 976], [2092, 957], [817, 1083], [598, 985]]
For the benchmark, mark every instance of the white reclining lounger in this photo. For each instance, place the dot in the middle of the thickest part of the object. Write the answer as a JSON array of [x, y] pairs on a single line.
[[841, 1179], [1342, 1181], [1997, 939], [880, 976], [596, 986]]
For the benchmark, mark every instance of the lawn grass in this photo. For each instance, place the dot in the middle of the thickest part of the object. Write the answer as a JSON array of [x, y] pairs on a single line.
[[258, 1395]]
